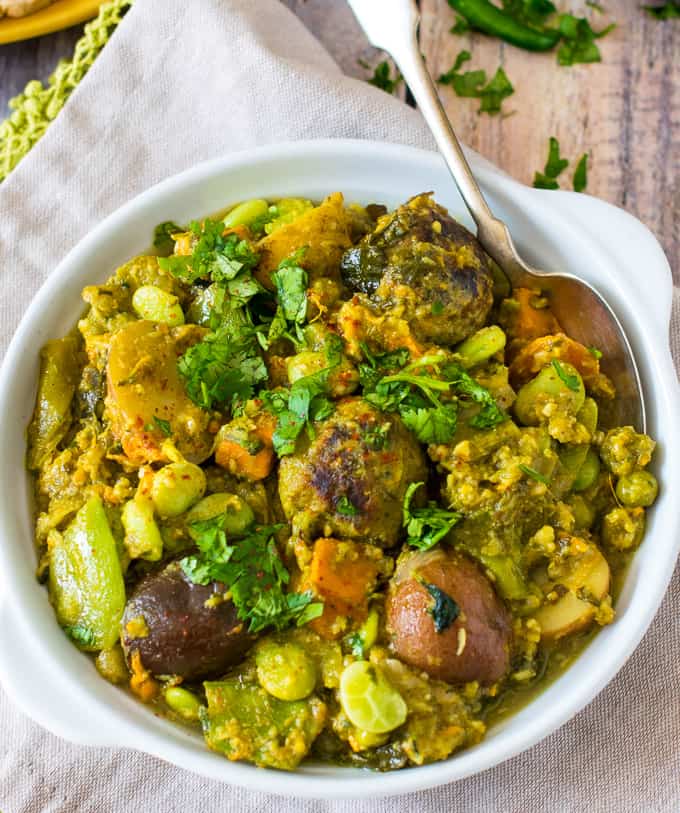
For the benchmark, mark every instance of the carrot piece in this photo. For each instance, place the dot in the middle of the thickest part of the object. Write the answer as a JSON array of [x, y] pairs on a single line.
[[343, 576], [528, 322], [239, 461], [537, 354]]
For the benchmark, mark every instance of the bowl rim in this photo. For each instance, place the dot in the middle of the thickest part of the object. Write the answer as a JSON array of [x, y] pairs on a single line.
[[578, 224]]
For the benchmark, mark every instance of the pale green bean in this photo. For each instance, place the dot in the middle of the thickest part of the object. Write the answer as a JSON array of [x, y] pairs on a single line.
[[157, 305]]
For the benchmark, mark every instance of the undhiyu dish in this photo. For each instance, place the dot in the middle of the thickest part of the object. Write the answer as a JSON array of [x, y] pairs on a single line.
[[310, 477]]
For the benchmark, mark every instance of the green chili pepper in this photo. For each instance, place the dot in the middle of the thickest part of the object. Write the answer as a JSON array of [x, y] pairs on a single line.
[[484, 16]]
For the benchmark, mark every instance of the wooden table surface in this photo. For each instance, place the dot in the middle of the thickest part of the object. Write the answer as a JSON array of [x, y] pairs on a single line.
[[624, 111]]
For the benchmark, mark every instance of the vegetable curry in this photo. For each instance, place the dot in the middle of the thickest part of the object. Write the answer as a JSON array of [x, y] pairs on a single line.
[[312, 479]]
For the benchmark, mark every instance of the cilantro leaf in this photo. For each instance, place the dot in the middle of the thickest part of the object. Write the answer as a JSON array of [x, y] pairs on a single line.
[[535, 475], [377, 437], [492, 95], [345, 507], [382, 76], [578, 40], [595, 352], [570, 381], [253, 573], [670, 10], [221, 367], [430, 425], [426, 526], [581, 174], [461, 26], [355, 641], [163, 425], [554, 167], [291, 286], [542, 181], [473, 84], [303, 404], [464, 384], [445, 610], [82, 635], [163, 241]]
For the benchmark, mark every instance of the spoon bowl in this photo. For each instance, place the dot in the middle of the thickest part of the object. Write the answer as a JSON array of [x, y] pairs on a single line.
[[392, 25]]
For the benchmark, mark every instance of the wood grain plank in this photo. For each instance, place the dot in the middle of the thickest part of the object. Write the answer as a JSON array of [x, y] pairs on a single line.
[[624, 111]]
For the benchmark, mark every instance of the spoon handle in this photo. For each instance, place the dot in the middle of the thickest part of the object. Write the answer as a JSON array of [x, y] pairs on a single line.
[[393, 26]]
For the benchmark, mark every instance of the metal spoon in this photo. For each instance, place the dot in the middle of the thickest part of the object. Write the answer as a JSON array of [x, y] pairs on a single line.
[[392, 25]]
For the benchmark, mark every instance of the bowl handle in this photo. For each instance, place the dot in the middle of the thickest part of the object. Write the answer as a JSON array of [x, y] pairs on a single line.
[[52, 705]]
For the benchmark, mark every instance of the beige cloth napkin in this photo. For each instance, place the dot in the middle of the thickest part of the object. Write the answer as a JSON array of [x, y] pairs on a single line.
[[180, 83]]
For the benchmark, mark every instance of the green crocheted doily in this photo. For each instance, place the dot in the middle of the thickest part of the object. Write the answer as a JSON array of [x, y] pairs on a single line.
[[38, 106]]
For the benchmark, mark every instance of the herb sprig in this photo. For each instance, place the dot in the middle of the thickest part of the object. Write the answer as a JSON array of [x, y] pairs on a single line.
[[253, 573], [426, 526]]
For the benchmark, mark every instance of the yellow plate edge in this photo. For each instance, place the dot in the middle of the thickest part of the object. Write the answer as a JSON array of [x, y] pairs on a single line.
[[62, 14]]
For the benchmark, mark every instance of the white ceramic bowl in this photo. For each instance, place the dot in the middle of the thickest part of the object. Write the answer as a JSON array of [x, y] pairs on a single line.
[[60, 689]]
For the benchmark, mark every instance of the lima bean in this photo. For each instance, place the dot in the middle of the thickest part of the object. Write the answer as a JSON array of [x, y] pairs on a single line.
[[238, 514], [547, 386], [176, 487], [285, 671], [155, 305], [481, 346], [245, 213]]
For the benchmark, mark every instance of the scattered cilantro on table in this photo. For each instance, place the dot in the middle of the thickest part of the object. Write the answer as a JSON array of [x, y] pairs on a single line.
[[426, 526], [473, 84], [670, 10], [252, 571], [554, 167], [528, 24], [578, 40], [382, 76]]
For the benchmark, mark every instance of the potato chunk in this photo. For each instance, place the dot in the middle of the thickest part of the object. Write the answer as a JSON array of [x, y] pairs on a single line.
[[143, 386]]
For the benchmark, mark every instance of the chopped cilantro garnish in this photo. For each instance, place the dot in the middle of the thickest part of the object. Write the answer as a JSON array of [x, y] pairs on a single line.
[[595, 352], [382, 76], [669, 10], [581, 174], [464, 384], [356, 645], [216, 256], [345, 507], [163, 240], [535, 475], [437, 308], [252, 571], [377, 437], [304, 403], [578, 40], [426, 526], [291, 286], [80, 634], [444, 611], [570, 381], [221, 367], [473, 84], [163, 425], [417, 397]]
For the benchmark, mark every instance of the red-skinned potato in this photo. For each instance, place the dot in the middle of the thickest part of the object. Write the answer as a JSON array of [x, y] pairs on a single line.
[[474, 646]]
